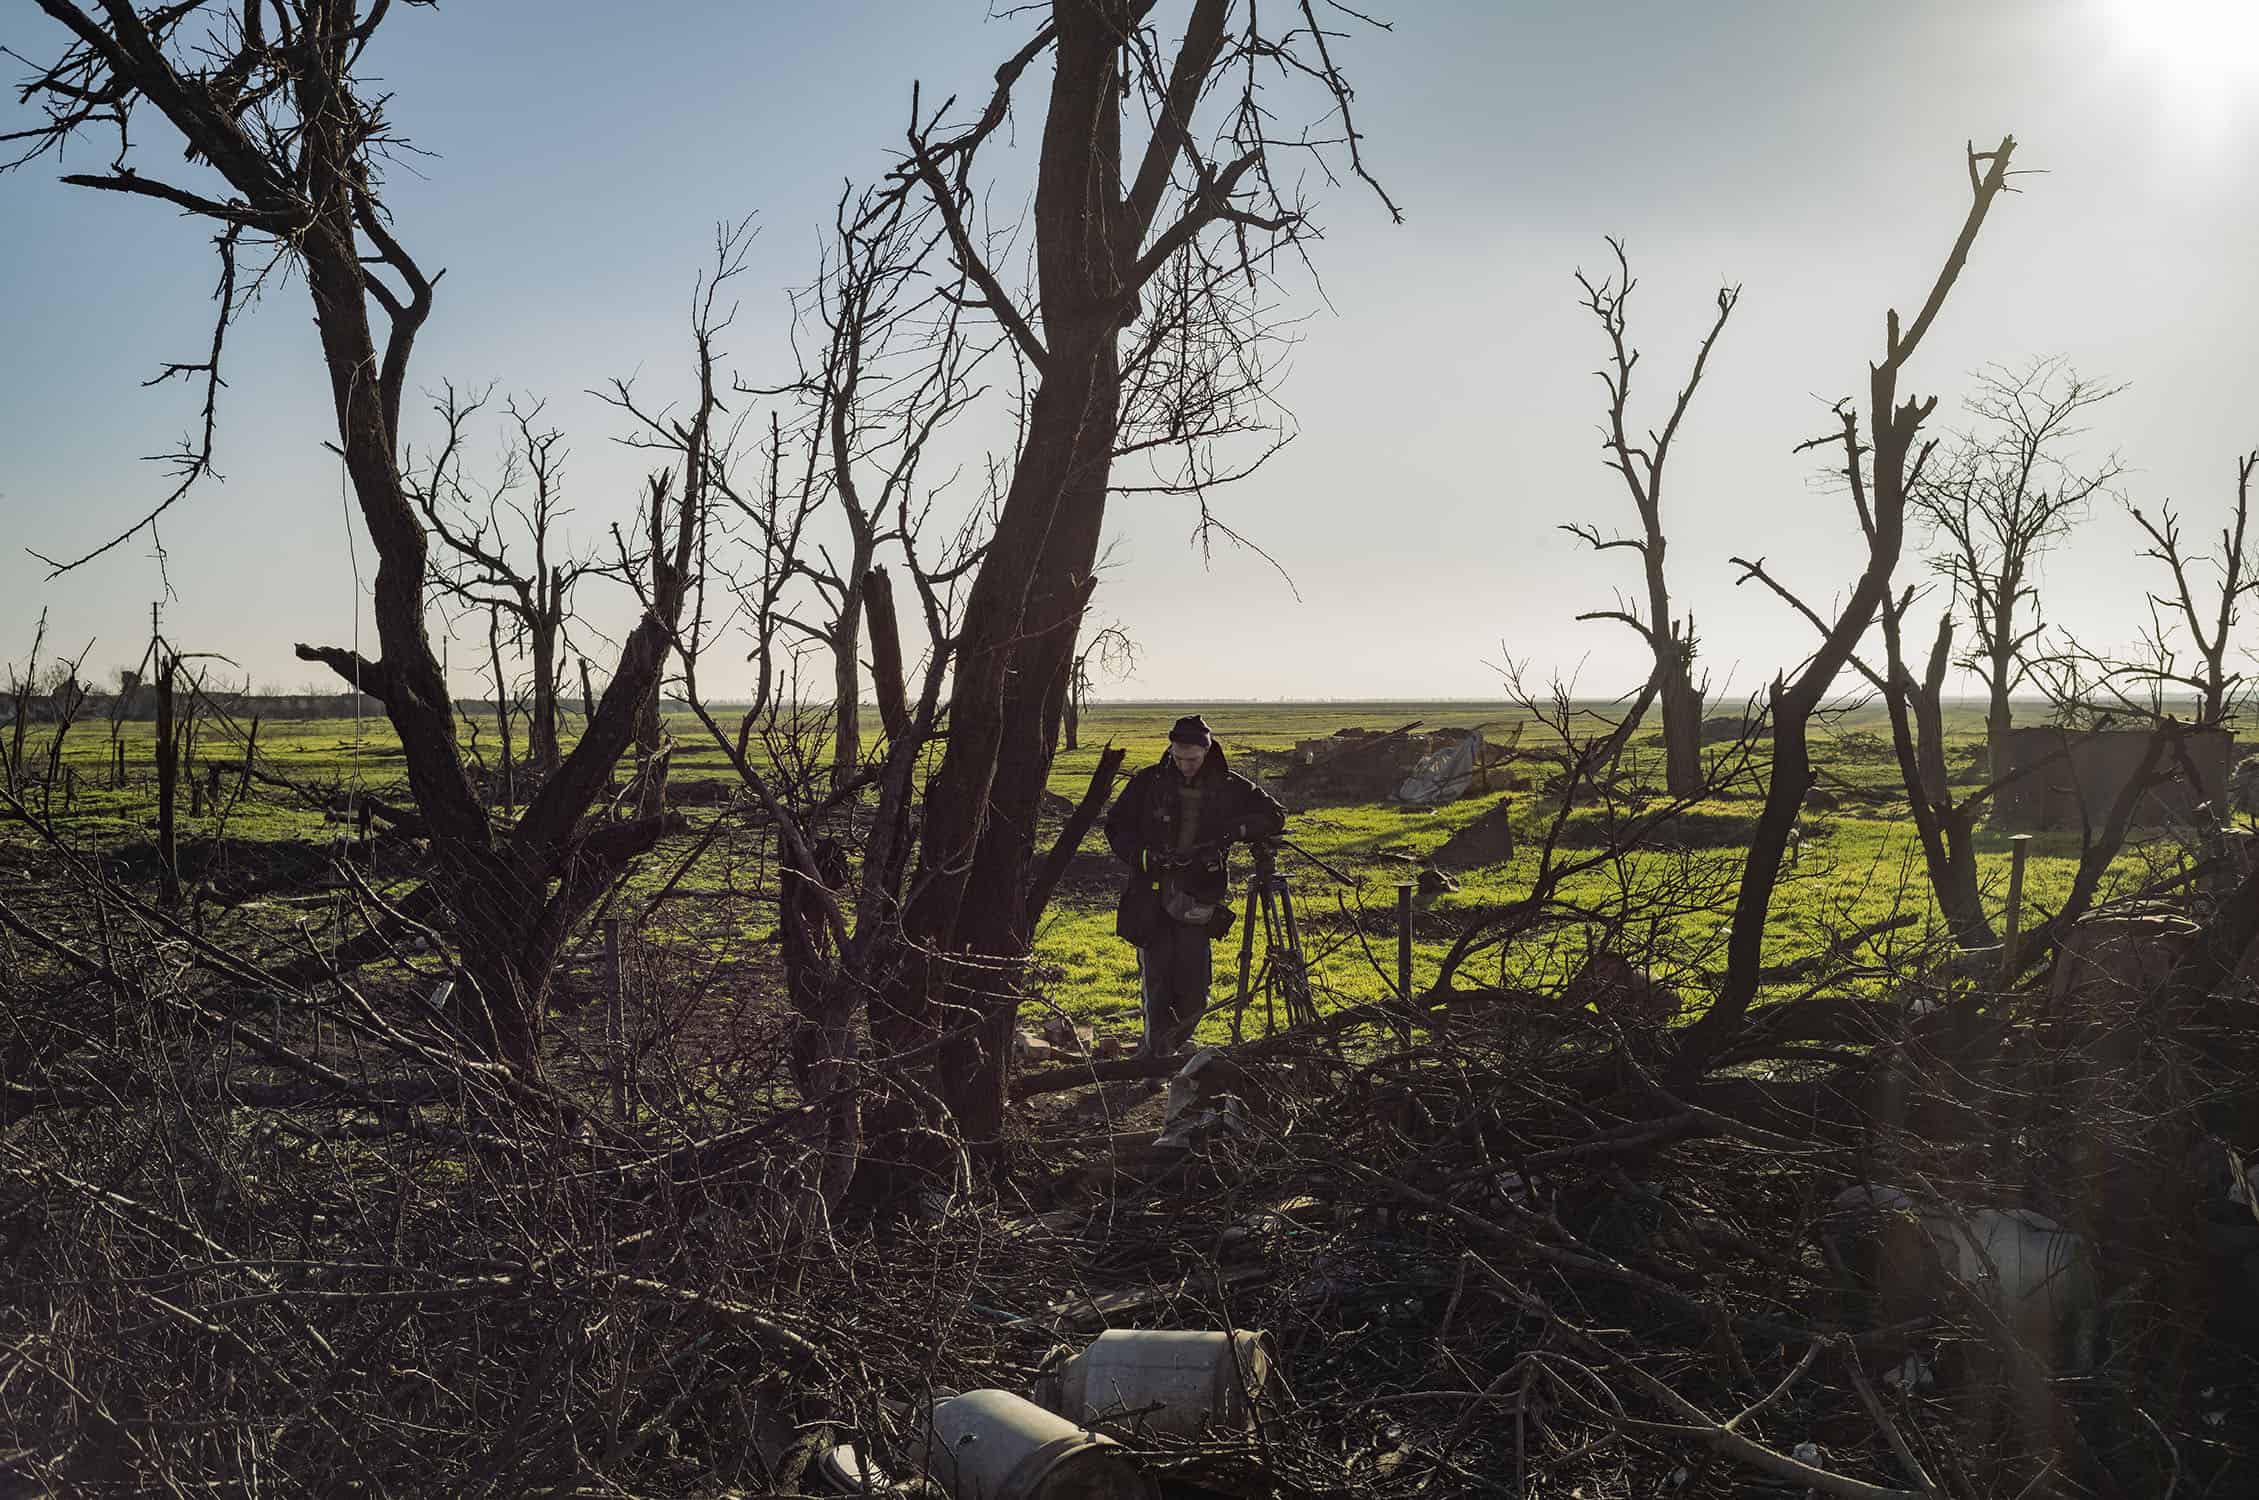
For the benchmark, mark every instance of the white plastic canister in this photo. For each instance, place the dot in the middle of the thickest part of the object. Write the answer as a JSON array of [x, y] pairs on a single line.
[[1166, 1381], [849, 1471], [994, 1445]]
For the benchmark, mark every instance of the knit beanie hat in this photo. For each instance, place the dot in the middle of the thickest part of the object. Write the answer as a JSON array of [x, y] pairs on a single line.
[[1191, 730]]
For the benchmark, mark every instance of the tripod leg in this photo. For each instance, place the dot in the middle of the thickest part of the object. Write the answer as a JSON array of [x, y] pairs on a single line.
[[1298, 1005], [1246, 958], [1270, 959]]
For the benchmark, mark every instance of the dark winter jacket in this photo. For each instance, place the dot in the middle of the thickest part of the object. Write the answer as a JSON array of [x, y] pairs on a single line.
[[1142, 828]]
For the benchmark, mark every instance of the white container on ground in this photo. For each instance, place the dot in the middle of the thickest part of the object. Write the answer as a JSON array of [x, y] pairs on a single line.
[[994, 1445], [849, 1471], [1165, 1381]]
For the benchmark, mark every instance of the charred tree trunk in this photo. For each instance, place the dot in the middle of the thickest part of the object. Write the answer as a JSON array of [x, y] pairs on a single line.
[[811, 964], [1682, 728], [888, 685], [650, 742], [847, 680], [1947, 830], [541, 722], [1678, 697], [1014, 649], [1018, 634], [1999, 719]]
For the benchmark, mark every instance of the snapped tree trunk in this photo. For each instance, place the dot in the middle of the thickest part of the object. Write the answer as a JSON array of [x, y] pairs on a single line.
[[541, 722], [1879, 490], [1682, 732], [1945, 828], [847, 688]]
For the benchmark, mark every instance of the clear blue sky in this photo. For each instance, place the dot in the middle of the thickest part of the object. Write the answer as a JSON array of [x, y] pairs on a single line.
[[1810, 152]]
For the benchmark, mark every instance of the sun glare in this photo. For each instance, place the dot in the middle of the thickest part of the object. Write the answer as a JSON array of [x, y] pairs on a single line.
[[2198, 60], [2207, 40]]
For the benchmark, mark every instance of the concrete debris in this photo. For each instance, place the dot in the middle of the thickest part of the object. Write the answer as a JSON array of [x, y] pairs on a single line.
[[1068, 1038]]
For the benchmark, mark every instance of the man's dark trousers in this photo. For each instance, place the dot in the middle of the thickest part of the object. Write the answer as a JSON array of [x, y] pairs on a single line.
[[1172, 971]]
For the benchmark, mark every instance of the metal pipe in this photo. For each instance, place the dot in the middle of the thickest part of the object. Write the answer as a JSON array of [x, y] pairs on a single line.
[[2018, 846], [1404, 890]]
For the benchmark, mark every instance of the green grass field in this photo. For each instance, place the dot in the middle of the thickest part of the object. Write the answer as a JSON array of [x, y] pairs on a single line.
[[1859, 864]]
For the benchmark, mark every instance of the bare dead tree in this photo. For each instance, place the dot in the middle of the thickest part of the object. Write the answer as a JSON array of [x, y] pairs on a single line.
[[2208, 616], [477, 567], [842, 878], [272, 99], [22, 686], [1111, 236], [1997, 499], [66, 700], [1879, 473], [1945, 822], [1945, 825], [1671, 641], [894, 365], [1110, 651]]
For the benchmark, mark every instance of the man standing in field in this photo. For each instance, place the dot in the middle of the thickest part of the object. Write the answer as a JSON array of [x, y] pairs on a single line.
[[1171, 826]]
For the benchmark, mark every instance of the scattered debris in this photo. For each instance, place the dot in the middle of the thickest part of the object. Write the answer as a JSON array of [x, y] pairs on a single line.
[[1913, 1373], [1359, 764], [1431, 884], [1069, 1039], [1626, 993], [2036, 1275], [1199, 1101], [1487, 840], [1181, 1383], [995, 1445], [1444, 773]]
